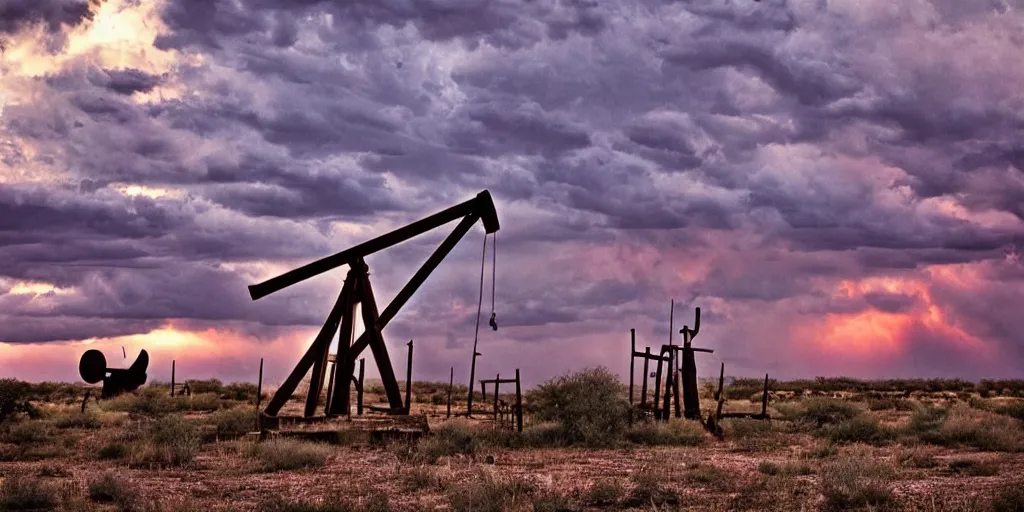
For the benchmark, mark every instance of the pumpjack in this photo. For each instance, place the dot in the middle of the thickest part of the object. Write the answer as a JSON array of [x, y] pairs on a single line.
[[357, 290]]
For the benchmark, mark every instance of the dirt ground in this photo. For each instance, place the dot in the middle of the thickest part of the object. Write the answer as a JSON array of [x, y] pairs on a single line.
[[774, 469]]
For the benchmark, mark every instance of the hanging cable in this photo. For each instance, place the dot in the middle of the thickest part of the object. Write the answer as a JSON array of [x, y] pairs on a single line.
[[480, 302], [494, 271]]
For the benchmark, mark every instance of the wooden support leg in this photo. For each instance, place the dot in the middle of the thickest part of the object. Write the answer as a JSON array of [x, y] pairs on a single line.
[[259, 397], [408, 382], [764, 398], [451, 383], [657, 389], [497, 377], [284, 392], [330, 385], [666, 411], [643, 387], [632, 360], [344, 360], [172, 377], [691, 397], [359, 395], [519, 403], [380, 350]]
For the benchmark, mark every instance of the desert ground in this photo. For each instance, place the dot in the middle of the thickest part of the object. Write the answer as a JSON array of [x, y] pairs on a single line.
[[831, 444]]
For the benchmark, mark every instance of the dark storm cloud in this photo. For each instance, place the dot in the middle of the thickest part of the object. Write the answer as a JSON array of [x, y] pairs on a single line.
[[592, 123], [17, 14]]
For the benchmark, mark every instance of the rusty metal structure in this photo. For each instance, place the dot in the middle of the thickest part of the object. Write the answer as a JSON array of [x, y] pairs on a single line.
[[677, 363], [358, 291], [93, 369], [504, 410]]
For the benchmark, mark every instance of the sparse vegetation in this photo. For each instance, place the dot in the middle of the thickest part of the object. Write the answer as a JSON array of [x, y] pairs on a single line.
[[844, 450], [23, 492], [854, 482], [288, 454]]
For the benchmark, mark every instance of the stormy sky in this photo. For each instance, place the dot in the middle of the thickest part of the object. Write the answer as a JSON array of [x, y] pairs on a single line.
[[838, 184]]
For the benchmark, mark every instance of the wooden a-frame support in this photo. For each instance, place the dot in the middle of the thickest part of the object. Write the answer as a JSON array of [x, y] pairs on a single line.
[[357, 290]]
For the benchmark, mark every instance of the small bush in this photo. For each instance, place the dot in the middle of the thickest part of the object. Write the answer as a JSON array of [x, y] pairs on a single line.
[[240, 391], [76, 419], [147, 401], [205, 386], [711, 476], [14, 398], [647, 491], [201, 402], [419, 478], [963, 426], [21, 492], [53, 471], [488, 493], [114, 450], [110, 487], [589, 405], [552, 501], [861, 429], [170, 440], [822, 451], [453, 438], [921, 457], [1008, 498], [672, 433], [974, 467], [288, 454], [856, 483], [769, 468], [604, 493], [820, 412], [233, 422]]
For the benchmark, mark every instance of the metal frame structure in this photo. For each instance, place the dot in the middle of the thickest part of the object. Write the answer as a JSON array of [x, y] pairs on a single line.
[[357, 290]]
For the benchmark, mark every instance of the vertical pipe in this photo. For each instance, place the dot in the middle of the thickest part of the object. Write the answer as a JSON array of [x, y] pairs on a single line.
[[632, 350], [408, 382], [643, 387], [665, 412], [764, 398], [519, 403], [259, 397], [671, 313], [472, 383], [497, 377], [172, 377], [451, 383], [657, 387], [330, 388], [676, 390], [359, 396], [483, 391]]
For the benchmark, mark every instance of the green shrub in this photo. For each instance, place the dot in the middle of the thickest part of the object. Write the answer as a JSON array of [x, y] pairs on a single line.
[[974, 467], [234, 422], [288, 454], [110, 487], [604, 493], [455, 437], [14, 398], [589, 405], [205, 386], [22, 492], [114, 450], [769, 468], [170, 440], [240, 391], [851, 482], [77, 419], [820, 412], [488, 493], [647, 491], [147, 401], [673, 433], [861, 429], [422, 477], [962, 425], [1008, 498]]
